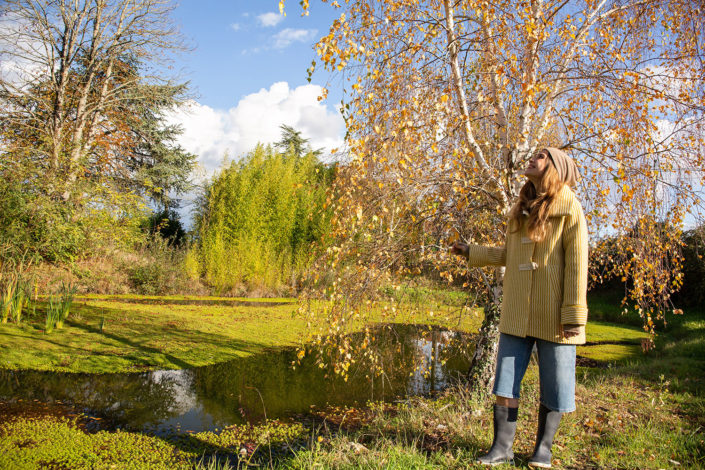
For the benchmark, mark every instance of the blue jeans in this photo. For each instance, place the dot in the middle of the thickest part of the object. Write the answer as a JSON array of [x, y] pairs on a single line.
[[556, 370]]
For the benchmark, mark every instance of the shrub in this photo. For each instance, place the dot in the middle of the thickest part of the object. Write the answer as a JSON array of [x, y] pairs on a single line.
[[35, 227], [160, 269]]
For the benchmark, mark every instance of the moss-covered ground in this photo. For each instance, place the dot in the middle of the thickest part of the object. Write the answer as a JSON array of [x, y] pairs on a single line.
[[60, 442]]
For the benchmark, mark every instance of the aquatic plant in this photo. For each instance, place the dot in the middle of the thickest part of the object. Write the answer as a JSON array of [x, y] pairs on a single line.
[[53, 313], [67, 293], [6, 298], [14, 297], [19, 300]]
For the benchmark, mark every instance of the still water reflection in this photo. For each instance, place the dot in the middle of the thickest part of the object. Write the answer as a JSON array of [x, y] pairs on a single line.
[[416, 361]]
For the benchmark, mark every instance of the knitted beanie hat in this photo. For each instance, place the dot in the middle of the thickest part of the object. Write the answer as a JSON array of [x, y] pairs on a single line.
[[566, 167]]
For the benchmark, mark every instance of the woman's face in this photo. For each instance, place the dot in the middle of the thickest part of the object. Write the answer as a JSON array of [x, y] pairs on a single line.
[[537, 165]]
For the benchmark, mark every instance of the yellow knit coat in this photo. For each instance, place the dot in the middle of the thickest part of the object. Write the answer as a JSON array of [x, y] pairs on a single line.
[[545, 283]]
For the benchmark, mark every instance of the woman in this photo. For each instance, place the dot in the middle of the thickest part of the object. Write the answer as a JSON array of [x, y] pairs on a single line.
[[544, 304]]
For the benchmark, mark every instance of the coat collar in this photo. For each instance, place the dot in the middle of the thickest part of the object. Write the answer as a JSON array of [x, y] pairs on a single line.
[[562, 203]]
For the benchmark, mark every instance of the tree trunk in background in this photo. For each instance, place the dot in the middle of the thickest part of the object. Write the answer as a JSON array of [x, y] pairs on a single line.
[[481, 373], [482, 367]]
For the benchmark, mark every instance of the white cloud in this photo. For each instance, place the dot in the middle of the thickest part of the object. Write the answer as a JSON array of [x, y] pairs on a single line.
[[236, 26], [270, 19], [213, 133], [288, 36]]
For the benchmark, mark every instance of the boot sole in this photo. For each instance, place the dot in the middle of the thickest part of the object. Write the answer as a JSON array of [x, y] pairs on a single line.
[[494, 464], [539, 465]]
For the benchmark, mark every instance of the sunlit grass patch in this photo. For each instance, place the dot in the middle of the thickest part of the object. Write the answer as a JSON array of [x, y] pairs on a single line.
[[599, 332], [635, 447], [345, 453], [610, 352]]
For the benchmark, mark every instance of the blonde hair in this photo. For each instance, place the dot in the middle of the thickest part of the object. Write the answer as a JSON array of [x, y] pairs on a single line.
[[536, 203]]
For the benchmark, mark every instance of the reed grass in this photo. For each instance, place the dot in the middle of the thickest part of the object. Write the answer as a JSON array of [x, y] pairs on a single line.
[[21, 299], [15, 295], [7, 297], [53, 313], [66, 296]]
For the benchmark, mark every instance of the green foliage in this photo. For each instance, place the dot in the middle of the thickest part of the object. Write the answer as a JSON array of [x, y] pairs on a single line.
[[292, 142], [693, 291], [148, 279], [161, 167], [32, 224], [262, 218], [192, 265], [6, 300], [18, 302], [167, 224], [161, 269]]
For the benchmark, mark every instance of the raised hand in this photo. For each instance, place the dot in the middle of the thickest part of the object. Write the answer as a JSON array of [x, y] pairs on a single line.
[[459, 249]]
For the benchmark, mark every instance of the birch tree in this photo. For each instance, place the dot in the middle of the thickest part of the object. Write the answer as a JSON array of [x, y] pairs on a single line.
[[446, 100]]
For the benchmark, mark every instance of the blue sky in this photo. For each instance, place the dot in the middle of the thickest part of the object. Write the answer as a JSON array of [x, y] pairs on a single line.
[[248, 70], [242, 46]]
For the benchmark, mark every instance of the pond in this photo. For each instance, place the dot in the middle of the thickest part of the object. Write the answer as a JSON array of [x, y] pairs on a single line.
[[416, 361]]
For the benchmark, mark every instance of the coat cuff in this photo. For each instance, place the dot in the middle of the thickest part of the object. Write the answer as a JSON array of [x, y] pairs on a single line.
[[479, 255], [574, 315]]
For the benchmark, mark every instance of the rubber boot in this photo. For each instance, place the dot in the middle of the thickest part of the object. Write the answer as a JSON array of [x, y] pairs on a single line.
[[505, 426], [548, 425]]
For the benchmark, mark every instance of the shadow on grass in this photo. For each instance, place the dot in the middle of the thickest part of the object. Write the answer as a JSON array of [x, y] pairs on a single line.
[[45, 339], [197, 346], [181, 364]]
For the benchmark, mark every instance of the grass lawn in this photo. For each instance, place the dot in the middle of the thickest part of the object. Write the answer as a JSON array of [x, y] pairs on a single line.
[[142, 336], [136, 333]]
